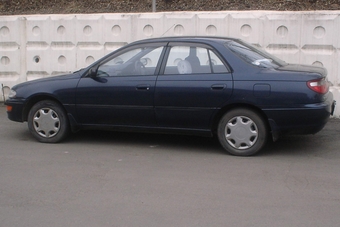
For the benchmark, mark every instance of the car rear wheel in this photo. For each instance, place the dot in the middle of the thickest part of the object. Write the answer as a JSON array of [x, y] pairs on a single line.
[[48, 122], [242, 132]]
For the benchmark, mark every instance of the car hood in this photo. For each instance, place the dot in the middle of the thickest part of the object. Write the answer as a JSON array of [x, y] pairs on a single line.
[[304, 68], [50, 79]]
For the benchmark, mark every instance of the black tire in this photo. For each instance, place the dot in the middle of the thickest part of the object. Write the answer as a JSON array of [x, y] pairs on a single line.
[[47, 121], [242, 132]]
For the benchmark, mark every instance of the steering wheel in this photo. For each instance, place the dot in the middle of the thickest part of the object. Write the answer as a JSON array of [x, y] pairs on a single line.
[[139, 68]]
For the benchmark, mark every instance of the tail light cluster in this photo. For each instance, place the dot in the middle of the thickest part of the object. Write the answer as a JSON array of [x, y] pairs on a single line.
[[320, 86]]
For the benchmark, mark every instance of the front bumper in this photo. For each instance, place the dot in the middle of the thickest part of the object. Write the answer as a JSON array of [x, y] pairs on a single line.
[[16, 112]]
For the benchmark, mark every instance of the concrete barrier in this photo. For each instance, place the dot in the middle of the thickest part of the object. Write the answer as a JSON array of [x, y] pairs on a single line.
[[36, 46]]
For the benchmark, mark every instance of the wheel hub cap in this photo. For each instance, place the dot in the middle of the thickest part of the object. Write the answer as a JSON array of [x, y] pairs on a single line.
[[46, 122], [241, 132]]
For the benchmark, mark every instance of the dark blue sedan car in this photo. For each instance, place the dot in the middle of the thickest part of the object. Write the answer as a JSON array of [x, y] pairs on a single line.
[[188, 85]]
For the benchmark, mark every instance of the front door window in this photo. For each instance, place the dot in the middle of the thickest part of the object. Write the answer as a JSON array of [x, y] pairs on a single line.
[[139, 61]]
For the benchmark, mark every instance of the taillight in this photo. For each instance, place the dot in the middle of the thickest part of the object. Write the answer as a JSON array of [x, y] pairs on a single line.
[[9, 108], [320, 86]]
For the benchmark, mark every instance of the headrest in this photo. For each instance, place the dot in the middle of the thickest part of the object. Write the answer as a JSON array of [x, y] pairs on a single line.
[[184, 67]]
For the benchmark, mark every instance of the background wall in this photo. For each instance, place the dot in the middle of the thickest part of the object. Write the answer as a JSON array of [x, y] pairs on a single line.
[[36, 46]]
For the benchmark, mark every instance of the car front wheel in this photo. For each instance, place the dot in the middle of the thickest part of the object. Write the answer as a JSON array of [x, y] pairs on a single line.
[[242, 132], [48, 122]]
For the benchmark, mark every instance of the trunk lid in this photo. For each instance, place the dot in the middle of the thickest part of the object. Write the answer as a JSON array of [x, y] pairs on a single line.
[[304, 68]]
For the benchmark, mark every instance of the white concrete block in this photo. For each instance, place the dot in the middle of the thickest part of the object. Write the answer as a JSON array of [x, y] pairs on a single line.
[[62, 61], [283, 31], [337, 46], [148, 25], [38, 61], [38, 29], [318, 29], [179, 24], [11, 50], [212, 24], [247, 26], [88, 54], [336, 76], [63, 30], [38, 41], [117, 27], [117, 31], [90, 30], [10, 66], [90, 39], [320, 56], [10, 30]]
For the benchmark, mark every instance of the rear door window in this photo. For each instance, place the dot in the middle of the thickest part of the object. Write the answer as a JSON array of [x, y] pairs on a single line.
[[184, 59]]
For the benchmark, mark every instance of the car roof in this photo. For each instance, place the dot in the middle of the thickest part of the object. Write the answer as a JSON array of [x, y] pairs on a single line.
[[204, 39]]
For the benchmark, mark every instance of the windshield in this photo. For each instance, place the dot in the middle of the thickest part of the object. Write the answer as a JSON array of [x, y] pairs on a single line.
[[254, 55]]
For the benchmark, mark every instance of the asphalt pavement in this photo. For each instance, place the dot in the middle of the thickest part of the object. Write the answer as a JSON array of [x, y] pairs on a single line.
[[98, 178]]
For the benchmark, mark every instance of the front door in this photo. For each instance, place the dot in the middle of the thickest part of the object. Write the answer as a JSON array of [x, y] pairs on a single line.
[[122, 91]]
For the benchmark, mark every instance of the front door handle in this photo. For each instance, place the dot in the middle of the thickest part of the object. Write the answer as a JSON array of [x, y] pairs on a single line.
[[143, 87], [218, 86]]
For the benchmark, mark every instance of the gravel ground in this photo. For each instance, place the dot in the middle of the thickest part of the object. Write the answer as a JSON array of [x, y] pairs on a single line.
[[20, 7]]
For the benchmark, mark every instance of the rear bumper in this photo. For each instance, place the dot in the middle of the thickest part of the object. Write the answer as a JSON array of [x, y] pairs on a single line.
[[306, 119]]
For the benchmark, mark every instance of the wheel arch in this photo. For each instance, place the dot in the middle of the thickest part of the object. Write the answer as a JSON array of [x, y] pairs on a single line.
[[227, 108], [33, 100]]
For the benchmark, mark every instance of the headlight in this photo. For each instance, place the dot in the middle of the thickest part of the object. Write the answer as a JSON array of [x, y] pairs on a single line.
[[12, 94]]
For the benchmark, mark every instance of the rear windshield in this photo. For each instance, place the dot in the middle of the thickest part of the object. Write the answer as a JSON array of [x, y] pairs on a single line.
[[253, 55]]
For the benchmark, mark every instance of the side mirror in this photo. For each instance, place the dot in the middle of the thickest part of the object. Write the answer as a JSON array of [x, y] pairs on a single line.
[[93, 72]]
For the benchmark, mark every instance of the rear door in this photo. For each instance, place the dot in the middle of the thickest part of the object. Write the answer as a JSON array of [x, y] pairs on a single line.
[[195, 83]]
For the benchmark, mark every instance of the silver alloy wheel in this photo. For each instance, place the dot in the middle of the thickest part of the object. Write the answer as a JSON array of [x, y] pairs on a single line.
[[241, 132], [46, 122]]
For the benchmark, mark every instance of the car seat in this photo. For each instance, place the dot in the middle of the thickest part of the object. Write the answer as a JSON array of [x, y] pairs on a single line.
[[184, 67]]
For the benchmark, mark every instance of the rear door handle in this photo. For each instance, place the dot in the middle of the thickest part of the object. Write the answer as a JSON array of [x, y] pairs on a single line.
[[143, 87], [218, 86]]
